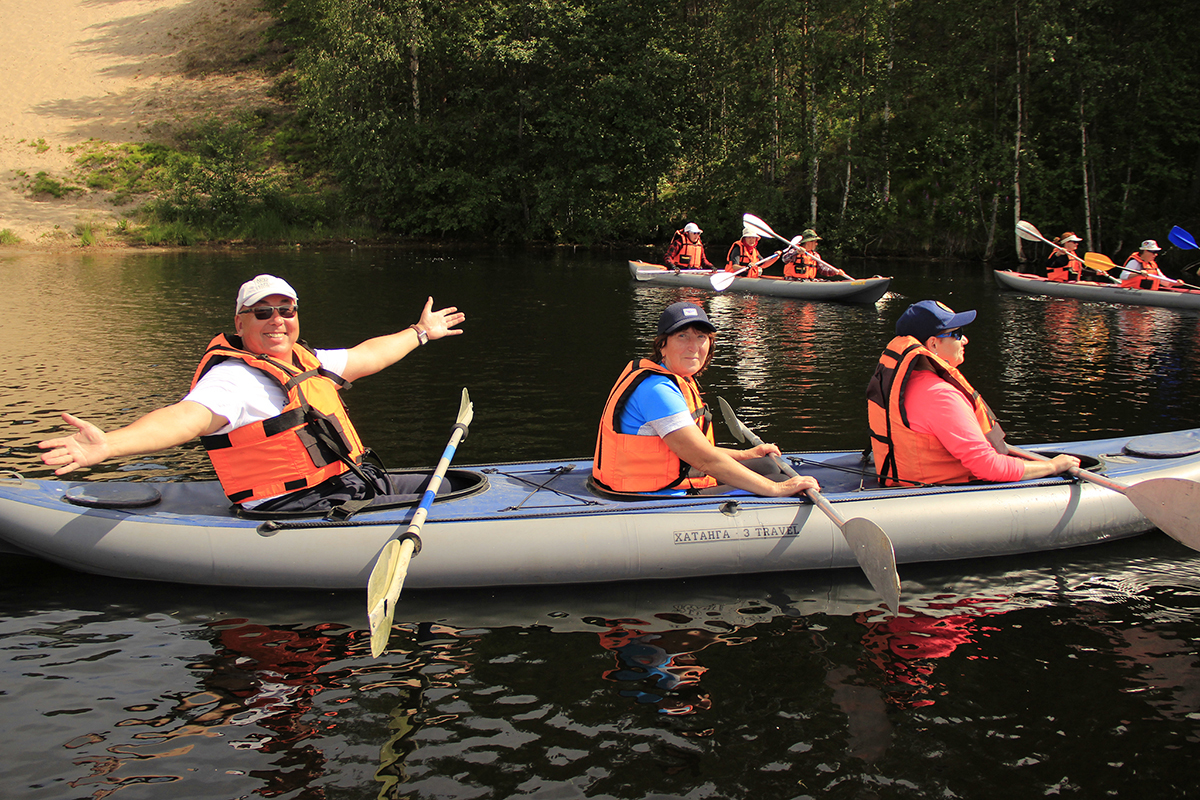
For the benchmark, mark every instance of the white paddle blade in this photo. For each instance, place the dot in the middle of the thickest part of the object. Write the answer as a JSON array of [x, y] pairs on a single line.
[[758, 224], [875, 555], [1029, 233], [1172, 504], [722, 280]]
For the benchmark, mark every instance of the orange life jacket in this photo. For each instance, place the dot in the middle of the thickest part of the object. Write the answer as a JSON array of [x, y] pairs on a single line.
[[1147, 280], [742, 256], [1063, 272], [902, 455], [310, 441], [631, 463], [689, 256], [803, 267]]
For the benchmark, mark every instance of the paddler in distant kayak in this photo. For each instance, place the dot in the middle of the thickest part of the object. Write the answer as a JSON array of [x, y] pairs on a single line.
[[928, 425], [656, 434], [1063, 264], [686, 251], [801, 262], [1141, 269], [743, 255], [268, 411]]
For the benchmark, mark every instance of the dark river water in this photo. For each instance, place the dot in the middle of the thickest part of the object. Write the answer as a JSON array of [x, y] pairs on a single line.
[[1070, 674]]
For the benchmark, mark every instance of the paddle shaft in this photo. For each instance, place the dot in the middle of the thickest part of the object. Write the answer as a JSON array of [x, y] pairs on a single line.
[[1100, 257], [1074, 472], [755, 222], [391, 567], [1025, 230], [723, 280]]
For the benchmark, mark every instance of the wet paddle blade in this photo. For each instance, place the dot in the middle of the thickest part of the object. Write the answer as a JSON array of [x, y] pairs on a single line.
[[383, 590], [1172, 504], [735, 425], [1182, 239], [875, 555], [722, 280]]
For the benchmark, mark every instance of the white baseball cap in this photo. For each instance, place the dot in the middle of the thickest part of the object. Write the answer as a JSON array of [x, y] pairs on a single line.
[[262, 286], [692, 227], [1150, 244]]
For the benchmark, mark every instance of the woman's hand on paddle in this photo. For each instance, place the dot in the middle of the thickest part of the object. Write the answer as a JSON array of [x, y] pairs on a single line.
[[1056, 466], [88, 446], [1064, 463], [786, 488], [440, 323], [764, 450], [797, 485]]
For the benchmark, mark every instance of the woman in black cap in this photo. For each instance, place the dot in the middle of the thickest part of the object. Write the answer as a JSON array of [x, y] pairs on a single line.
[[656, 433]]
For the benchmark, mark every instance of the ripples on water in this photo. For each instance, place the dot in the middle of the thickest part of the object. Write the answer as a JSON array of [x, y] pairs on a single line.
[[1069, 674]]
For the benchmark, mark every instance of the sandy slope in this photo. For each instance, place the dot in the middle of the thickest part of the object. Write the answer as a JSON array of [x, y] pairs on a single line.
[[113, 70]]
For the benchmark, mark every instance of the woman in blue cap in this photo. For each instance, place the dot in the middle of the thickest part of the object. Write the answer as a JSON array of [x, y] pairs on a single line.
[[656, 433], [928, 424]]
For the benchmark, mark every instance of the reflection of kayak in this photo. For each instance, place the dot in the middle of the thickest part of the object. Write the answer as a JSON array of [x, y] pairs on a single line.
[[1100, 292], [541, 523], [866, 290]]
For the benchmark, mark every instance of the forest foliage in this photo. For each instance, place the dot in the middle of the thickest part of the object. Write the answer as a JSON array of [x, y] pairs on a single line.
[[892, 126]]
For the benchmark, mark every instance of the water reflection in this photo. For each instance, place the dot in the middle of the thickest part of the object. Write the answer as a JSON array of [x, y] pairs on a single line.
[[1041, 675], [663, 666], [625, 690]]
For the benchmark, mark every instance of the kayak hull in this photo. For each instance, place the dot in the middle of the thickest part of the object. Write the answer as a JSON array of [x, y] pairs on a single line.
[[866, 290], [1098, 292], [541, 523]]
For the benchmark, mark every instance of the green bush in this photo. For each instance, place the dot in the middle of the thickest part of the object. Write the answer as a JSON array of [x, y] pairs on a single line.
[[44, 184]]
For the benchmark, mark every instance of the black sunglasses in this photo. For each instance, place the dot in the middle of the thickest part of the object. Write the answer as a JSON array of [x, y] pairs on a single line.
[[266, 312], [954, 334]]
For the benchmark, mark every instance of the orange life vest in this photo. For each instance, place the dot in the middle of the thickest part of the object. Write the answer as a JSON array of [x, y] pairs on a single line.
[[689, 256], [1063, 272], [1149, 277], [742, 256], [803, 267], [311, 441], [902, 455], [631, 463]]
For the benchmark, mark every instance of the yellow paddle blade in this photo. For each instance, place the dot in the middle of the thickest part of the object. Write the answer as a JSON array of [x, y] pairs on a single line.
[[1099, 261], [383, 590]]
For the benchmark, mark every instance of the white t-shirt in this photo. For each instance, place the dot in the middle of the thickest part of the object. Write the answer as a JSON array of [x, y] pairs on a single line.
[[243, 395]]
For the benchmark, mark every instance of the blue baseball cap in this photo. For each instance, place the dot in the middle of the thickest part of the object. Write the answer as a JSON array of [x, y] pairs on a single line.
[[678, 315], [929, 318]]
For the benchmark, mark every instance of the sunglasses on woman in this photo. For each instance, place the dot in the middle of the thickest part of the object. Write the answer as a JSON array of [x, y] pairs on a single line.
[[956, 334], [266, 312]]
